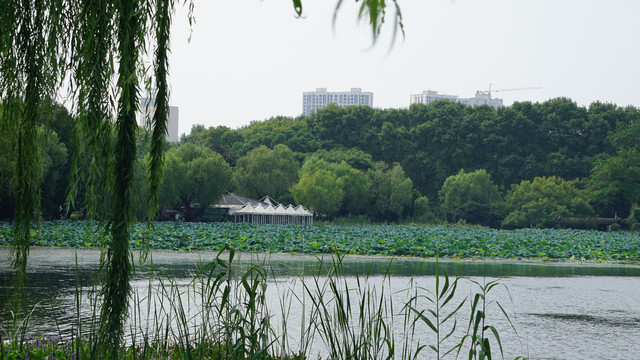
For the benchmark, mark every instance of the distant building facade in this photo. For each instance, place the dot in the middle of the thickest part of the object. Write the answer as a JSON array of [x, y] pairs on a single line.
[[172, 126], [148, 107], [315, 100], [481, 98]]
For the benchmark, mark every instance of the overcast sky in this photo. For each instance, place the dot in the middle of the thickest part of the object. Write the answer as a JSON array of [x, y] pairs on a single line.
[[251, 60]]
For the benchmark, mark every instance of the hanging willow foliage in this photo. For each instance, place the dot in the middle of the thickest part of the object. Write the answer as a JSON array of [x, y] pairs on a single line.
[[31, 64], [41, 42], [92, 135], [116, 288], [161, 114]]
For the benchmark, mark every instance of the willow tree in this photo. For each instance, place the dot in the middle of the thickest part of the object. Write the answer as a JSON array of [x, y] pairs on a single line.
[[31, 64], [99, 45]]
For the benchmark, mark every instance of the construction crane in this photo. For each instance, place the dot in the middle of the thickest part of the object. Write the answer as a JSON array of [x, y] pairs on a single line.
[[488, 92]]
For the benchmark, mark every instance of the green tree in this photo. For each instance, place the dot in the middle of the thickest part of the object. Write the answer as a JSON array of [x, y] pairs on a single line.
[[392, 191], [173, 179], [543, 202], [627, 125], [264, 171], [55, 172], [320, 191], [445, 137], [52, 179], [348, 127], [57, 118], [327, 125], [633, 220], [220, 139], [471, 197], [421, 206], [512, 142], [422, 210], [615, 182], [355, 184], [141, 188], [293, 133], [194, 175], [354, 157]]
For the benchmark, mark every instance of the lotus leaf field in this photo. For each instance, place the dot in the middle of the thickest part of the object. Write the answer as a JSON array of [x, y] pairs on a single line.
[[397, 240]]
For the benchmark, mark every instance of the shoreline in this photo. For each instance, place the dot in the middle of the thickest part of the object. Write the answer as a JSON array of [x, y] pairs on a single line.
[[66, 256]]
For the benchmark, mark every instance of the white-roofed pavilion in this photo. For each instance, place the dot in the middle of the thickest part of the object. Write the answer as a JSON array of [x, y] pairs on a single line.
[[265, 211]]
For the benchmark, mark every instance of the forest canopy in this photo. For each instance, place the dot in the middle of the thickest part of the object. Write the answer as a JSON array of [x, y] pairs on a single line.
[[344, 153]]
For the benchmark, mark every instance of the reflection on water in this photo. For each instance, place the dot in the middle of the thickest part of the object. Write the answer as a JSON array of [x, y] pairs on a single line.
[[413, 267], [559, 312], [590, 320]]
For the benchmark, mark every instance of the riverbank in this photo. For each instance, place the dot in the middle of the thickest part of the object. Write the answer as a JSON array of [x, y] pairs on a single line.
[[64, 257]]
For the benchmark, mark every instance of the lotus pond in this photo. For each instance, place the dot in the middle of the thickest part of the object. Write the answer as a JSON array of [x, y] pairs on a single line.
[[397, 240]]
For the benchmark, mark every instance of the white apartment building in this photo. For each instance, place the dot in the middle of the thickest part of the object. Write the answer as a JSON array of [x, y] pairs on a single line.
[[481, 98], [147, 108], [321, 98]]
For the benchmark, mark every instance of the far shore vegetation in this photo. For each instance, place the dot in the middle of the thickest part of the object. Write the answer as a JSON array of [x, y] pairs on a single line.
[[528, 165]]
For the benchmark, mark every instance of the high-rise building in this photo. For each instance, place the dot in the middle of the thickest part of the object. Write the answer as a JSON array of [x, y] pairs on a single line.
[[315, 100], [147, 108], [173, 134], [481, 98]]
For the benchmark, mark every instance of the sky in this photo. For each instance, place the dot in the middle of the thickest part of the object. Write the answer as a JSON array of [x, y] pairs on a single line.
[[250, 60]]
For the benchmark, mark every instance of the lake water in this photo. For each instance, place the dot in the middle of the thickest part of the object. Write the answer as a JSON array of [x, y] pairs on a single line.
[[576, 311]]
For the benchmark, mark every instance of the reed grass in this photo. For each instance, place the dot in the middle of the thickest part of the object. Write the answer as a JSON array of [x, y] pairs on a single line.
[[479, 332], [226, 312], [438, 317]]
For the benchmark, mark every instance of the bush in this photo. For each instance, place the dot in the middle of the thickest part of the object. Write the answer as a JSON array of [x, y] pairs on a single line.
[[614, 227], [422, 213], [634, 217], [428, 218], [635, 227], [420, 206]]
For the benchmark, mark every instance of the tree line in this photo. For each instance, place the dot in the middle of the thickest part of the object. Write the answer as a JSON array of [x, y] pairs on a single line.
[[525, 165]]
